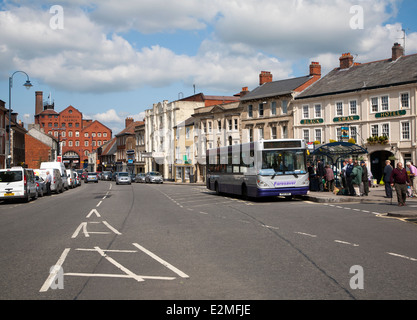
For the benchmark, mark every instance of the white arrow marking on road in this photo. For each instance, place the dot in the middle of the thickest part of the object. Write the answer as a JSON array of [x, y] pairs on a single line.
[[95, 212], [83, 225]]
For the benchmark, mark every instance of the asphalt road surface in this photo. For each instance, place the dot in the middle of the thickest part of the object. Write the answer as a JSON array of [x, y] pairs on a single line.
[[174, 242]]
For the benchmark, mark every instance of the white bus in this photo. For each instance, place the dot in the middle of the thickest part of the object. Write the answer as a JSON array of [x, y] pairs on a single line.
[[263, 168]]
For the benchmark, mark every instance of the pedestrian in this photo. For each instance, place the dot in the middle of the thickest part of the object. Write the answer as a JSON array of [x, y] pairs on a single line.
[[311, 176], [343, 174], [320, 174], [413, 178], [356, 178], [329, 176], [387, 179], [399, 180], [349, 169], [48, 181], [365, 179]]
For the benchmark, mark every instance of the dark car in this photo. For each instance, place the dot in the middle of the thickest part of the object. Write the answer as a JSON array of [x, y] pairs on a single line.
[[107, 175], [40, 186]]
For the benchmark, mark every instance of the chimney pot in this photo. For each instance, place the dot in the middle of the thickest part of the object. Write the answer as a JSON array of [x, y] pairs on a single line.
[[128, 121], [315, 69]]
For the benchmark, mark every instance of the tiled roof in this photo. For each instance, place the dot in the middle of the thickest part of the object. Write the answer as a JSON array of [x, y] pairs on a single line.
[[365, 76], [130, 129], [276, 88]]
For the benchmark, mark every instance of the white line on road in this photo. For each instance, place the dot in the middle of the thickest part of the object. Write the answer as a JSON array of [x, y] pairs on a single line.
[[99, 203], [106, 275], [401, 256], [52, 275], [163, 262], [95, 212], [307, 234], [83, 226], [348, 243], [111, 228]]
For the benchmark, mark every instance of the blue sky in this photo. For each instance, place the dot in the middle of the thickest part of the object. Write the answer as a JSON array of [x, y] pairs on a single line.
[[112, 59]]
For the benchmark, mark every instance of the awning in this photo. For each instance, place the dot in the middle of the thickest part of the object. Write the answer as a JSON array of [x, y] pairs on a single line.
[[337, 150]]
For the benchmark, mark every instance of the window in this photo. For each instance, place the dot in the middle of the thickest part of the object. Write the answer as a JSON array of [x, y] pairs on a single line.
[[354, 133], [306, 113], [385, 130], [339, 109], [284, 106], [219, 125], [374, 104], [284, 132], [230, 122], [353, 107], [50, 124], [405, 130], [374, 130], [86, 134], [384, 103], [273, 132], [261, 110], [105, 134], [70, 124], [85, 143], [273, 108], [70, 134], [77, 143], [56, 124], [250, 111], [317, 111], [236, 125], [210, 126], [306, 135], [251, 135], [99, 134], [70, 143], [187, 132], [63, 134], [317, 135], [63, 143], [339, 134], [77, 125], [405, 100], [260, 133], [77, 133]]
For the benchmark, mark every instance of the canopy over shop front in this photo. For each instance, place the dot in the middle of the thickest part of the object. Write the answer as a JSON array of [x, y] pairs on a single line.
[[339, 150]]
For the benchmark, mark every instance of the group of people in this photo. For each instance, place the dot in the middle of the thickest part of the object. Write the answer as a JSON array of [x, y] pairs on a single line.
[[402, 180], [355, 177]]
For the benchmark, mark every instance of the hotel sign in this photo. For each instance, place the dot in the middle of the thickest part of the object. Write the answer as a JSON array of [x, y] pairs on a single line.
[[312, 121], [391, 114], [346, 119]]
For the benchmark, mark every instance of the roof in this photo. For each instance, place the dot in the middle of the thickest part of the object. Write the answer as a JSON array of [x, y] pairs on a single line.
[[276, 88], [130, 129], [109, 148], [372, 75], [339, 150]]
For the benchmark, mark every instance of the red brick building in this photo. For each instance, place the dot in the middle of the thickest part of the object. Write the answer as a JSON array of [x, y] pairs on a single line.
[[78, 136]]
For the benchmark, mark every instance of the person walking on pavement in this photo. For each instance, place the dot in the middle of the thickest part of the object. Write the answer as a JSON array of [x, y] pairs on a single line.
[[399, 180], [387, 179], [329, 178], [48, 181], [343, 174], [356, 178], [413, 177], [348, 172], [365, 181]]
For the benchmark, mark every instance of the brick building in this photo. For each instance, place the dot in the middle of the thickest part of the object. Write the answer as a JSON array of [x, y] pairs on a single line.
[[78, 137], [39, 147], [3, 112]]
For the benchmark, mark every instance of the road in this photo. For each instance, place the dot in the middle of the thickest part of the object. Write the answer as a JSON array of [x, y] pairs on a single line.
[[174, 242]]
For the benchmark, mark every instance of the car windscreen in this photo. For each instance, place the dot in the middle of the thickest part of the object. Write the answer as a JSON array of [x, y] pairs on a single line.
[[154, 174], [10, 176], [92, 174], [123, 174]]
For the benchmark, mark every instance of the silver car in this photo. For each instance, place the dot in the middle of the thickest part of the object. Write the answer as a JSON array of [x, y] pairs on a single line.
[[123, 177], [140, 177], [91, 177], [154, 177]]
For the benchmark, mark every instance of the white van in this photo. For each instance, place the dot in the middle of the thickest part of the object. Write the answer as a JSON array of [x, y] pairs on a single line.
[[17, 183], [57, 185], [60, 166], [72, 183]]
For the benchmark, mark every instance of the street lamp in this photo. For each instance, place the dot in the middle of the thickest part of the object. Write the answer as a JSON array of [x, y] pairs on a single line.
[[27, 85]]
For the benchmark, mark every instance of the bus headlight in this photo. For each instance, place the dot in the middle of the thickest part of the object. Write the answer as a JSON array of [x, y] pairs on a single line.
[[262, 184]]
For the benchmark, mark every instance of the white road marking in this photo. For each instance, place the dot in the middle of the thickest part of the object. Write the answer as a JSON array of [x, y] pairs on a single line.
[[95, 212], [163, 262], [108, 275], [99, 203], [111, 228], [118, 265], [307, 234], [83, 226], [401, 256], [348, 243], [52, 275]]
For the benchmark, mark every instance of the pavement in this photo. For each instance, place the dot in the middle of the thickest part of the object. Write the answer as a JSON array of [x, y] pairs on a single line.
[[376, 195]]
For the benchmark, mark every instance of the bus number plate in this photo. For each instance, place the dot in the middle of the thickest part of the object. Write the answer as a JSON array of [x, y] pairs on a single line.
[[285, 194]]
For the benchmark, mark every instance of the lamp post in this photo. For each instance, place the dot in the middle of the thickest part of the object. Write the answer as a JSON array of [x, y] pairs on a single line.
[[28, 85]]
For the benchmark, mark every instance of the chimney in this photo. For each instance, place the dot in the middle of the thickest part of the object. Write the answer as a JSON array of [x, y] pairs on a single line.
[[264, 77], [315, 69], [38, 102], [244, 91], [346, 61], [397, 51], [128, 122]]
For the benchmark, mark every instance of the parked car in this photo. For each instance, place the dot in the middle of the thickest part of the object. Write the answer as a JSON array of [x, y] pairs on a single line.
[[123, 177], [107, 175], [140, 177], [60, 166], [132, 177], [153, 177], [40, 186], [17, 183], [77, 178], [57, 185], [91, 177]]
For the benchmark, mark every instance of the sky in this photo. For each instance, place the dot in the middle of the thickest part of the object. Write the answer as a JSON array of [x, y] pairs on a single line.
[[112, 59]]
